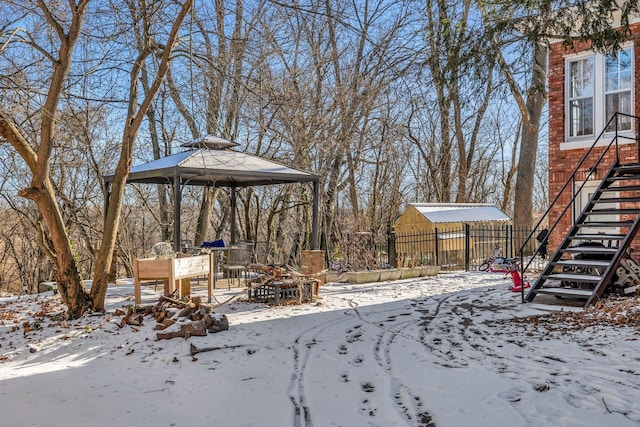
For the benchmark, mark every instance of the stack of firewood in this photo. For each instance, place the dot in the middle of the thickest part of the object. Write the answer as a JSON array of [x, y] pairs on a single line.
[[271, 273], [196, 317], [284, 276], [277, 273]]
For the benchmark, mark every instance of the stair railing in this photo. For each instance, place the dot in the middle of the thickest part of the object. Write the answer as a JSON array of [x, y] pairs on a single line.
[[572, 180]]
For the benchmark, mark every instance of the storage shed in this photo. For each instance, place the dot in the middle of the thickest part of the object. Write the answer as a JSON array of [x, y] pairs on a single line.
[[437, 233]]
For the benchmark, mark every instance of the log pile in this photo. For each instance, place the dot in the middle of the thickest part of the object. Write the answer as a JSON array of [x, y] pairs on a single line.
[[270, 273], [281, 284], [196, 318]]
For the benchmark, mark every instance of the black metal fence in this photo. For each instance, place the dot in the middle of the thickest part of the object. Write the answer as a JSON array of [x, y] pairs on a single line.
[[465, 247], [458, 248]]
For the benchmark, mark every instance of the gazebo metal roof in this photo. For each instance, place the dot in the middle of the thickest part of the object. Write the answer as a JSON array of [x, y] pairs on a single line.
[[213, 163], [216, 167]]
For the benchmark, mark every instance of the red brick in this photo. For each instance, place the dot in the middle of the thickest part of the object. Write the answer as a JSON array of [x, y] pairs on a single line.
[[562, 163]]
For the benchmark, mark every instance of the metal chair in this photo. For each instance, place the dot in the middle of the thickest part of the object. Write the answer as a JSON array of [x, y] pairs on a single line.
[[262, 252], [239, 257]]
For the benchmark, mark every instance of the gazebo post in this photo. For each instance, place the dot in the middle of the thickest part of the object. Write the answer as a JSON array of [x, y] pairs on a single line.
[[314, 215], [177, 196], [233, 214]]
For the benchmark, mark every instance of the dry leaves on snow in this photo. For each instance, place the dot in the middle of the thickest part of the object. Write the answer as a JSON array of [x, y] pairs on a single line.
[[614, 311]]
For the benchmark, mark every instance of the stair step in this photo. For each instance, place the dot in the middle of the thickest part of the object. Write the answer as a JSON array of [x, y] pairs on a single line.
[[582, 263], [597, 237], [621, 188], [614, 224], [630, 199], [594, 250], [586, 278], [625, 176], [630, 168], [566, 292], [613, 211]]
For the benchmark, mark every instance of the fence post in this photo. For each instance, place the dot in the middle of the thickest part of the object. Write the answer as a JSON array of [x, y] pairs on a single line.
[[507, 247], [467, 240], [391, 250], [437, 248]]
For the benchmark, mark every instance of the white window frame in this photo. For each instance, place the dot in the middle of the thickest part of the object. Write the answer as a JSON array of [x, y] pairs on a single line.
[[591, 93], [621, 91], [599, 101]]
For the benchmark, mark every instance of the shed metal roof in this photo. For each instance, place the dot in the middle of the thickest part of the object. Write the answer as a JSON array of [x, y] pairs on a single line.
[[460, 212]]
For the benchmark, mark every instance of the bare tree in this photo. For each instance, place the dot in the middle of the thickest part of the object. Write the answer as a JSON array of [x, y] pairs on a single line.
[[135, 115], [529, 26], [38, 156], [450, 137], [218, 54], [65, 22], [339, 61]]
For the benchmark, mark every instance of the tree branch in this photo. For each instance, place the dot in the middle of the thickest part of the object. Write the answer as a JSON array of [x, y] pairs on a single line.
[[11, 133]]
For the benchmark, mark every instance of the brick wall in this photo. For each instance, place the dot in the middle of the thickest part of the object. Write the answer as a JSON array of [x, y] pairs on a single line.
[[563, 162]]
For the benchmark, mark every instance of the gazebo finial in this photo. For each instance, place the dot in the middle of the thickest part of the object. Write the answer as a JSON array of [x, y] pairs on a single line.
[[210, 142]]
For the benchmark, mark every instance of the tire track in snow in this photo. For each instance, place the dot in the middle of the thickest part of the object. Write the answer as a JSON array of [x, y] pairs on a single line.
[[303, 346], [409, 405]]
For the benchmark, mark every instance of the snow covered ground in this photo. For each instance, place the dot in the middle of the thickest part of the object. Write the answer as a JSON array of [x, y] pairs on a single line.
[[458, 349]]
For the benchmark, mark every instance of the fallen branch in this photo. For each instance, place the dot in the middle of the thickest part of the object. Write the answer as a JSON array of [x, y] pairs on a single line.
[[189, 330], [194, 350]]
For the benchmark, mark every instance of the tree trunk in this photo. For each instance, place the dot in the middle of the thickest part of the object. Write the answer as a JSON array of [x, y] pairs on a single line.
[[209, 196], [70, 285], [42, 191], [536, 97], [331, 201], [163, 195], [134, 119]]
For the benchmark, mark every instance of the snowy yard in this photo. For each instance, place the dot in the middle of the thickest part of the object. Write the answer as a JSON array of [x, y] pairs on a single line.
[[440, 351]]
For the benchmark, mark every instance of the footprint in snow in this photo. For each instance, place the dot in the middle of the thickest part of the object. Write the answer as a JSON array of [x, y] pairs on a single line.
[[367, 409], [354, 337], [358, 360], [514, 394], [368, 387]]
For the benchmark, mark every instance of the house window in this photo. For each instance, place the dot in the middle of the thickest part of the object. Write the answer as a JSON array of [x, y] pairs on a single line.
[[581, 97], [598, 86], [618, 79]]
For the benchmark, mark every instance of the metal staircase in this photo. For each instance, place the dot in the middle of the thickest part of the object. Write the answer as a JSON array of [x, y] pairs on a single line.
[[584, 270], [585, 262]]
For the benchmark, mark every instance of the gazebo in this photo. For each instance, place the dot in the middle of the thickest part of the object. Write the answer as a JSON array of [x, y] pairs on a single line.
[[211, 161]]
